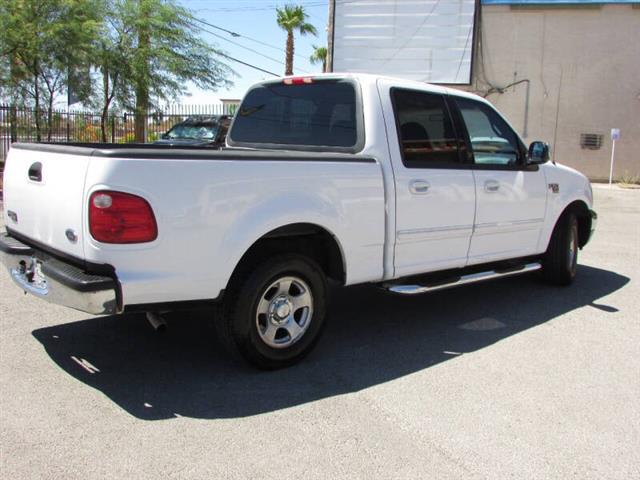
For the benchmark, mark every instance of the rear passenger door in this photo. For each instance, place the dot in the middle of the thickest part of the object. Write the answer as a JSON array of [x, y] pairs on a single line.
[[510, 195], [435, 194]]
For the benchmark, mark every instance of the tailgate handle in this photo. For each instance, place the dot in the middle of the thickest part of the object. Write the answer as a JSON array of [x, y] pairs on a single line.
[[35, 172]]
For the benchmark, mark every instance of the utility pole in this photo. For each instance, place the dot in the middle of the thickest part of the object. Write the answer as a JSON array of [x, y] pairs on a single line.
[[330, 26]]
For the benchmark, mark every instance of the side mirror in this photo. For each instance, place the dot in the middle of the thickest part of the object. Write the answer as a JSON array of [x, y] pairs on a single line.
[[164, 136], [538, 152]]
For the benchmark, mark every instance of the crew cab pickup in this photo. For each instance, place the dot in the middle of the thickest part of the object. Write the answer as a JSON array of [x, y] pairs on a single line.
[[352, 178]]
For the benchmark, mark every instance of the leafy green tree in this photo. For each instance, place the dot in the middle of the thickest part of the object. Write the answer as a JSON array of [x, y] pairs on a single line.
[[319, 55], [133, 53], [112, 53], [292, 18], [152, 52], [45, 46]]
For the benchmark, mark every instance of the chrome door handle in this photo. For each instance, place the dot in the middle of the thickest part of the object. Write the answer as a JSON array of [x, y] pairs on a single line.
[[419, 187], [491, 186]]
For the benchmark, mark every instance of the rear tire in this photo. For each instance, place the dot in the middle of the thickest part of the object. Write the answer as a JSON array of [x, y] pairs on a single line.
[[273, 315], [560, 261]]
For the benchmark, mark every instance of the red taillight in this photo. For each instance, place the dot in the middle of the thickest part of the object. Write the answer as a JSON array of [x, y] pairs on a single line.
[[297, 80], [116, 217]]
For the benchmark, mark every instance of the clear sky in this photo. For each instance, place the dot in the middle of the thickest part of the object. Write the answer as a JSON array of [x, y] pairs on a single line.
[[255, 22]]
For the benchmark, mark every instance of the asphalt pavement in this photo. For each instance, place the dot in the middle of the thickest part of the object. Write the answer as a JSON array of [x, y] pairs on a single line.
[[506, 379]]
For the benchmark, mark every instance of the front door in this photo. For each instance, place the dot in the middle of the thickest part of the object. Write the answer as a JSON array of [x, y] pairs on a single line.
[[510, 195], [435, 193]]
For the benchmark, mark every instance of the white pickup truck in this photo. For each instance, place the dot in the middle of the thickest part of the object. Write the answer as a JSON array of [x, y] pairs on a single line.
[[353, 178]]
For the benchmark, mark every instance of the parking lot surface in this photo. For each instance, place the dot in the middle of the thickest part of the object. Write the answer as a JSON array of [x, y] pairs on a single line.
[[506, 379]]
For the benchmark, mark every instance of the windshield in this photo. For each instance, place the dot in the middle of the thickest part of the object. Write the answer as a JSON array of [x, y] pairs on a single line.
[[322, 113], [193, 131]]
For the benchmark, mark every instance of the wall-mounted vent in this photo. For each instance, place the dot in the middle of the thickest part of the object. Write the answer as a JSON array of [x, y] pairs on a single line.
[[592, 141]]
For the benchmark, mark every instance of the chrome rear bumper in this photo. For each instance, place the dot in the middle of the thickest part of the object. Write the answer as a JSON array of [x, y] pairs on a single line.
[[56, 281]]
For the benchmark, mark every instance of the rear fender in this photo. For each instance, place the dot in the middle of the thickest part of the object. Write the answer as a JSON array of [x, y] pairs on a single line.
[[276, 212]]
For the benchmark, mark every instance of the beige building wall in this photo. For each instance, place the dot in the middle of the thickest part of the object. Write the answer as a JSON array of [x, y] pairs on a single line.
[[583, 67]]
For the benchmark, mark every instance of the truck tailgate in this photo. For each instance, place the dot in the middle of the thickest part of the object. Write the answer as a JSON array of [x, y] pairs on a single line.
[[44, 197]]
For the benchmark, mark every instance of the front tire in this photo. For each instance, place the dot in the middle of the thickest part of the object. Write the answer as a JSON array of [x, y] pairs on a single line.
[[560, 261], [274, 314]]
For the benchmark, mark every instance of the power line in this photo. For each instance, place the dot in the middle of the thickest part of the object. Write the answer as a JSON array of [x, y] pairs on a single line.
[[247, 64], [233, 34], [222, 54], [239, 35], [273, 6], [242, 46]]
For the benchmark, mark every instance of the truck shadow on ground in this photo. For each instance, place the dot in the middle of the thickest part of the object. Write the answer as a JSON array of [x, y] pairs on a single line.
[[372, 337]]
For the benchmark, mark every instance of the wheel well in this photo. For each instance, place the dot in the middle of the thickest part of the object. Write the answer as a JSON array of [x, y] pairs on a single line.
[[306, 239], [581, 211]]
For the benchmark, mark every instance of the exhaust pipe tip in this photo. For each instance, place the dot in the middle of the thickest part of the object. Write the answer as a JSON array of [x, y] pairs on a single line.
[[158, 323]]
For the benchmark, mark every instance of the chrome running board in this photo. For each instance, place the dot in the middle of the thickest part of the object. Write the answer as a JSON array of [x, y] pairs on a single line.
[[463, 280]]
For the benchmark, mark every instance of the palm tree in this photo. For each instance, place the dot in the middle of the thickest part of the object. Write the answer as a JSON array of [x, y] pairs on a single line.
[[291, 18], [319, 56]]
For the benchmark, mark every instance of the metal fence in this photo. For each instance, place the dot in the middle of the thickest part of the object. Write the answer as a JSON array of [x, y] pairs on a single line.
[[19, 124]]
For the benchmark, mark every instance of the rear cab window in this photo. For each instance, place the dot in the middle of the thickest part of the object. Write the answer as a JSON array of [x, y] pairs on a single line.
[[310, 114]]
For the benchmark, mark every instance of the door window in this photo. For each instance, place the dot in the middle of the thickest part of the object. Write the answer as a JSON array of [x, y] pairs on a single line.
[[425, 130], [493, 142]]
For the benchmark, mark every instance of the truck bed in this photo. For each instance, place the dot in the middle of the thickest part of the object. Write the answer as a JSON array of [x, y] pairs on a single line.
[[210, 207]]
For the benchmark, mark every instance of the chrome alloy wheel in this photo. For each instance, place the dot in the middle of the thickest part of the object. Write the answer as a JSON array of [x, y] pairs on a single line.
[[284, 312]]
